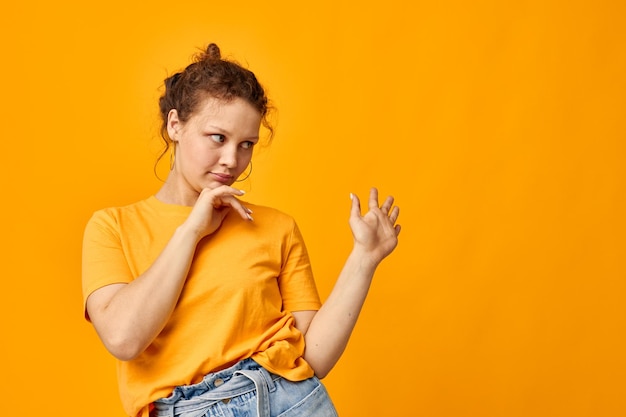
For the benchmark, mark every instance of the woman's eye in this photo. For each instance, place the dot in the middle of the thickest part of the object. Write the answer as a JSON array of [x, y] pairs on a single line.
[[247, 144], [217, 137]]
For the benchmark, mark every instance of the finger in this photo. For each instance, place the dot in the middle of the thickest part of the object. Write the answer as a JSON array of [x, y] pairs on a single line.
[[244, 211], [373, 201], [355, 209], [225, 196], [395, 212], [226, 190], [387, 205], [216, 196], [238, 206], [397, 229]]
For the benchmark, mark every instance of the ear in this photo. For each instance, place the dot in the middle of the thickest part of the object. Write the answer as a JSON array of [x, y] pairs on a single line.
[[173, 125]]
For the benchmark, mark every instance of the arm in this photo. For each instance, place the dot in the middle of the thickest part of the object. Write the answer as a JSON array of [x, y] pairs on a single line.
[[328, 330], [127, 317]]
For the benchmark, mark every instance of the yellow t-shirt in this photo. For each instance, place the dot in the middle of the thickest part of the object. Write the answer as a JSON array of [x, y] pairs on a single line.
[[244, 281]]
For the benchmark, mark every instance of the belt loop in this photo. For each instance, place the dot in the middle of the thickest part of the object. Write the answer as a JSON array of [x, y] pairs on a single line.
[[262, 390], [268, 379]]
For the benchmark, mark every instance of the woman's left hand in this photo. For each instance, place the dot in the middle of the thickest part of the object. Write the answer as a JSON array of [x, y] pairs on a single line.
[[328, 330], [376, 232]]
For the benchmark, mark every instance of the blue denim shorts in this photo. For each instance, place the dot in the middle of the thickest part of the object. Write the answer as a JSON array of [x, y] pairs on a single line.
[[247, 389]]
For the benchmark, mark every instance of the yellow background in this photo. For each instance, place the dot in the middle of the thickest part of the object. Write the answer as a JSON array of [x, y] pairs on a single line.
[[498, 126]]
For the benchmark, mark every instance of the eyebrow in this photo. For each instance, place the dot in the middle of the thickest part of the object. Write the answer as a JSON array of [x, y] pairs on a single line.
[[219, 129]]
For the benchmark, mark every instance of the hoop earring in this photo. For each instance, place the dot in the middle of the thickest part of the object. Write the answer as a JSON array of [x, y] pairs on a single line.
[[172, 156], [246, 177]]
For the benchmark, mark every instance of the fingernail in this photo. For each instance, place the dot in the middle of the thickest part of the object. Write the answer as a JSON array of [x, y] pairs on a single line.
[[351, 196], [248, 210], [249, 217]]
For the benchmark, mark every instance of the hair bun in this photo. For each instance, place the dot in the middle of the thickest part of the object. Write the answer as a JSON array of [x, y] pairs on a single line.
[[212, 52]]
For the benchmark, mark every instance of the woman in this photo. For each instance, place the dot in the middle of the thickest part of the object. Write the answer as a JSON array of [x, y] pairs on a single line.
[[207, 301]]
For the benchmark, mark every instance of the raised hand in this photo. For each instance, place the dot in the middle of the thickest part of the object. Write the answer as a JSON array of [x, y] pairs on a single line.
[[328, 330], [376, 232], [212, 207]]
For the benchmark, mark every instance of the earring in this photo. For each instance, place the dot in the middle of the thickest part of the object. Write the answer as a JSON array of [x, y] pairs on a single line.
[[246, 177], [172, 156]]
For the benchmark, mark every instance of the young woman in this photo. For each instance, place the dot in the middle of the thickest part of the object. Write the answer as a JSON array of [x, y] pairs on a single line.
[[207, 301]]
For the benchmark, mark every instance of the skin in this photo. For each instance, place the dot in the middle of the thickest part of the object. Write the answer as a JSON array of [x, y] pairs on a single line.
[[213, 147]]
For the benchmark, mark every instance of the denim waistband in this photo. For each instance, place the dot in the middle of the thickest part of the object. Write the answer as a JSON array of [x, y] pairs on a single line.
[[241, 378]]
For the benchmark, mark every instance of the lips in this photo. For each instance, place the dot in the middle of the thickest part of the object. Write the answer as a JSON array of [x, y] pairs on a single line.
[[223, 178]]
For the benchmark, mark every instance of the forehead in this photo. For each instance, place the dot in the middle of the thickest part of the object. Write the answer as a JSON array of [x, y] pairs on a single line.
[[226, 113]]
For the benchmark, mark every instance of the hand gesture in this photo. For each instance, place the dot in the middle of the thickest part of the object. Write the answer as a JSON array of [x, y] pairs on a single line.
[[375, 233], [212, 207]]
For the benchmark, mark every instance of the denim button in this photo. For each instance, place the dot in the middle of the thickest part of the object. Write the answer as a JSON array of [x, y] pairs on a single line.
[[218, 382], [226, 400]]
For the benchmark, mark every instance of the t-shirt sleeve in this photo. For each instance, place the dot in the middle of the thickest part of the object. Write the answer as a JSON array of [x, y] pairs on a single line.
[[103, 259], [297, 286]]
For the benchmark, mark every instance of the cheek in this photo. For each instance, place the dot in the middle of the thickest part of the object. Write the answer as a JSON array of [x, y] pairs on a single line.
[[244, 159], [198, 155]]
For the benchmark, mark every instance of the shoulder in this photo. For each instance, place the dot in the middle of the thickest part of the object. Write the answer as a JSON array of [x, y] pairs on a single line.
[[268, 211], [274, 224], [111, 217], [115, 211], [271, 216]]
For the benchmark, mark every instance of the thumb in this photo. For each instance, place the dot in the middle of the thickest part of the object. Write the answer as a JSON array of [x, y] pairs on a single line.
[[355, 210]]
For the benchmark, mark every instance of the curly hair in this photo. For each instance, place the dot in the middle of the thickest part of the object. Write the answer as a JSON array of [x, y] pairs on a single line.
[[210, 76]]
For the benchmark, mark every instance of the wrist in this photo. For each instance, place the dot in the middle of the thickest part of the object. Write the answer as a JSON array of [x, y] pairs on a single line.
[[364, 258], [188, 232]]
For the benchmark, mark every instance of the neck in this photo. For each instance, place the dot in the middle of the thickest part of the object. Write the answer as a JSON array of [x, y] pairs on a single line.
[[172, 193]]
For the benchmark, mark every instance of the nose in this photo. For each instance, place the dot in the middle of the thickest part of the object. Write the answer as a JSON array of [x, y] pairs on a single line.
[[228, 157]]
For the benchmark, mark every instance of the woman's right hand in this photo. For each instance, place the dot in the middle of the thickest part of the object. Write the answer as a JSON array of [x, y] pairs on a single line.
[[212, 207]]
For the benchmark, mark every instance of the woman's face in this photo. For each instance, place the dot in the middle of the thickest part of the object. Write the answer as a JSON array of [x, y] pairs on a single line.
[[214, 146]]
